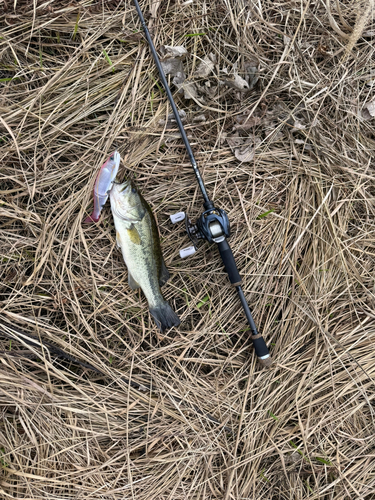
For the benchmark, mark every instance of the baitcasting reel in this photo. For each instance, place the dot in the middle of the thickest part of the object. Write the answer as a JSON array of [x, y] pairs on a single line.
[[212, 226]]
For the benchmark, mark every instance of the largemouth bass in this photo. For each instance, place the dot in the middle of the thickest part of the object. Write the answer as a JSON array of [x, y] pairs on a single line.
[[137, 236]]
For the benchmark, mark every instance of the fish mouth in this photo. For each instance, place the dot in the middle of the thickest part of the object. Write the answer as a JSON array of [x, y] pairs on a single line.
[[122, 186], [125, 186]]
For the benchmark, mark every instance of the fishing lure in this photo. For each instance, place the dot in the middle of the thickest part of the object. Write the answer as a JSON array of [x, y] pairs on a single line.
[[103, 185]]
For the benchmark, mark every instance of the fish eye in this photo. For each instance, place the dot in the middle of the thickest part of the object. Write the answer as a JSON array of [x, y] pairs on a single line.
[[112, 158], [134, 190]]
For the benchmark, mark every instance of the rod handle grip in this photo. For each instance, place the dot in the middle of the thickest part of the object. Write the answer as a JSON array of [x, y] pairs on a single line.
[[229, 262], [259, 344]]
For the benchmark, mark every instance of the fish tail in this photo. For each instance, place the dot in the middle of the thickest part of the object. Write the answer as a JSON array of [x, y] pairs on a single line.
[[164, 316]]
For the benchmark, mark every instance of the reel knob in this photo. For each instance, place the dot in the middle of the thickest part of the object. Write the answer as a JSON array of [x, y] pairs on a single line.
[[186, 252], [178, 217]]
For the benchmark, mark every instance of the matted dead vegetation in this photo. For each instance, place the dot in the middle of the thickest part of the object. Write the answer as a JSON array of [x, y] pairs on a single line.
[[77, 81]]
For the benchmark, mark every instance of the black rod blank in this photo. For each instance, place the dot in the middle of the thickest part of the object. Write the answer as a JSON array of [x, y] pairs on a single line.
[[172, 103]]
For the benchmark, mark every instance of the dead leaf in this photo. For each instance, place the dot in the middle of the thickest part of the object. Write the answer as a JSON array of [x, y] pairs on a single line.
[[307, 146], [247, 123], [171, 118], [222, 137], [298, 126], [210, 90], [246, 152], [369, 33], [244, 155], [168, 51], [190, 90], [199, 119], [237, 83], [234, 141], [175, 68], [171, 62], [174, 136], [206, 66], [252, 73], [368, 111]]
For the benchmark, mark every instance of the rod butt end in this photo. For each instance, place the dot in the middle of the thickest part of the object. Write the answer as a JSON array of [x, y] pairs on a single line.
[[265, 362]]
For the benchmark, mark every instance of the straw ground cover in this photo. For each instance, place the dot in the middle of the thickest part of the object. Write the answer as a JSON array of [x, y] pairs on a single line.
[[77, 81]]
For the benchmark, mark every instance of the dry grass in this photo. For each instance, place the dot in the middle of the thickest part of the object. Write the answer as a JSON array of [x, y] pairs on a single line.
[[304, 428]]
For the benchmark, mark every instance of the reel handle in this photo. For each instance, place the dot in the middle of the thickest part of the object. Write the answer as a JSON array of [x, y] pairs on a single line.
[[260, 347]]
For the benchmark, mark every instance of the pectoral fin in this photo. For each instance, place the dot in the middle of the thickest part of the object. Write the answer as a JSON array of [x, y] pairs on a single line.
[[132, 283], [134, 235], [164, 273]]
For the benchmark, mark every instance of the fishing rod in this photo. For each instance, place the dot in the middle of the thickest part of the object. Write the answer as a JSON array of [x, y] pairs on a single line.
[[213, 224]]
